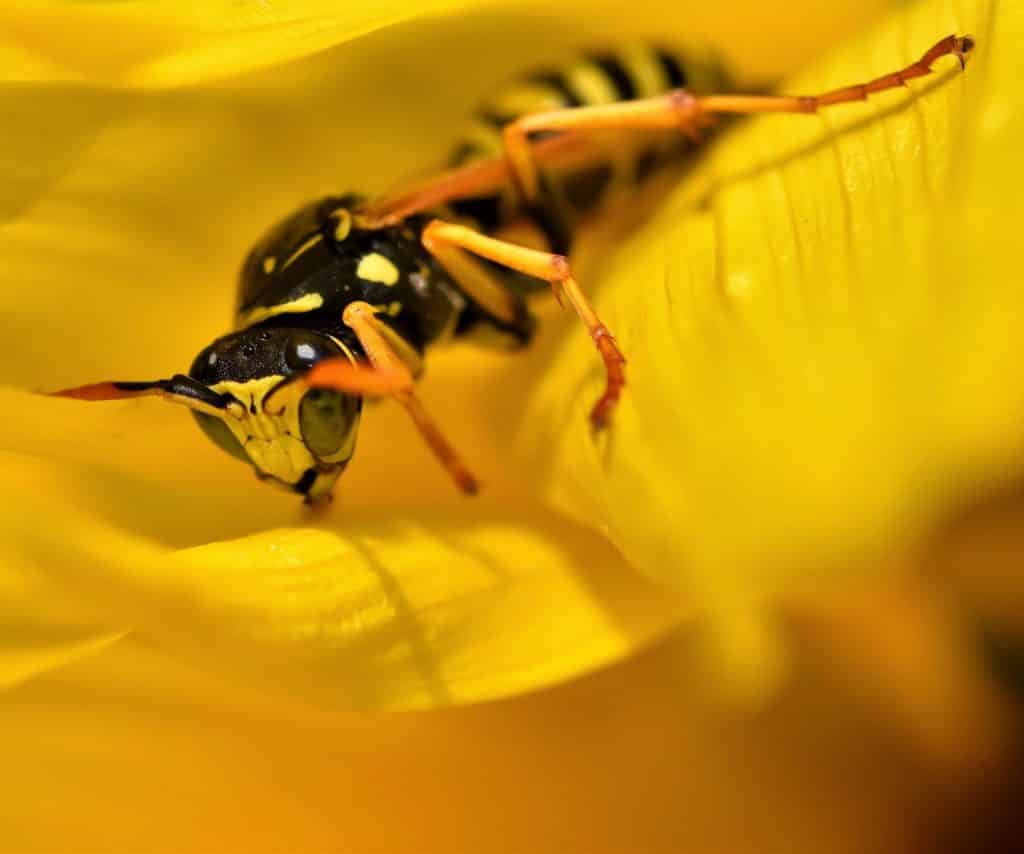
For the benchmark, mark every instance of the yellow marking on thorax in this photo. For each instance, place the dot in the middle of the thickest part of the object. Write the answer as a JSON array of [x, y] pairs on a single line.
[[376, 268], [644, 69], [591, 84], [309, 302], [344, 226], [269, 264], [391, 309], [305, 247]]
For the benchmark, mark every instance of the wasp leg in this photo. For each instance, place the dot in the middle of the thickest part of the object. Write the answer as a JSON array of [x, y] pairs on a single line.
[[677, 110], [476, 280], [441, 238], [684, 111], [478, 178], [342, 375], [374, 336]]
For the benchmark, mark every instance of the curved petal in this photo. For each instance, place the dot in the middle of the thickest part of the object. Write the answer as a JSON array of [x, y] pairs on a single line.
[[122, 239], [124, 214], [394, 608], [143, 754], [148, 44], [25, 653], [821, 332], [41, 626], [154, 44]]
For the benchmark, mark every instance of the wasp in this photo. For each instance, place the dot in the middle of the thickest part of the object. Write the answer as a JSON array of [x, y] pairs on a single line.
[[339, 301]]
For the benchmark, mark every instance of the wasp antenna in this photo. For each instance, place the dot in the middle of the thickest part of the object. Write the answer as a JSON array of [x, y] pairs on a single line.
[[178, 389], [105, 391]]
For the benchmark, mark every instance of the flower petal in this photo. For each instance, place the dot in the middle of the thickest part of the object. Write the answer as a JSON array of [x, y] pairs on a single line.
[[143, 754], [41, 627], [821, 332], [385, 609], [152, 44], [121, 238], [23, 654], [124, 214]]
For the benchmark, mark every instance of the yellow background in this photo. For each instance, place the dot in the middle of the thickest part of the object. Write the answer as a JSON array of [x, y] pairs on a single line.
[[832, 408]]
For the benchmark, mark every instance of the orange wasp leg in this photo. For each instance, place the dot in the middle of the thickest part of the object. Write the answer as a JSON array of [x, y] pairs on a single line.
[[475, 280], [342, 375], [489, 175], [394, 373], [684, 111], [440, 237]]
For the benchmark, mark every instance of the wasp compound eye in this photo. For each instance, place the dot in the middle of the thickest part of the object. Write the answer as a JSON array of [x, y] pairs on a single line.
[[220, 434], [302, 350], [327, 420]]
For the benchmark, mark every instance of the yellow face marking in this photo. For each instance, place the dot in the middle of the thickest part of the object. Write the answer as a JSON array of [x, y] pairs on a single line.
[[272, 436], [269, 264], [591, 84], [310, 302], [644, 70], [344, 226], [305, 247], [376, 268], [267, 424], [273, 441]]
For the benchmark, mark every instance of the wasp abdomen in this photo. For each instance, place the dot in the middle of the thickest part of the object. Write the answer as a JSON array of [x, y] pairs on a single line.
[[594, 79]]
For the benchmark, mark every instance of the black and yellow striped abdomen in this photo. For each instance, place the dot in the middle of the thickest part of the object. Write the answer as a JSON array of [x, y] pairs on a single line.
[[593, 79]]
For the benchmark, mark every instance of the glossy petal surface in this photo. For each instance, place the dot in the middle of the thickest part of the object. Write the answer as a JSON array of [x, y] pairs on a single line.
[[821, 333], [103, 245]]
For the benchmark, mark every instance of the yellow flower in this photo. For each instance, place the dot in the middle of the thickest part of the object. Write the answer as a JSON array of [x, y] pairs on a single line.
[[820, 322]]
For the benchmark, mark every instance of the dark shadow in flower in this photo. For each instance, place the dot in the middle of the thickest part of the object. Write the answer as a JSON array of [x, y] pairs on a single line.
[[406, 623]]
